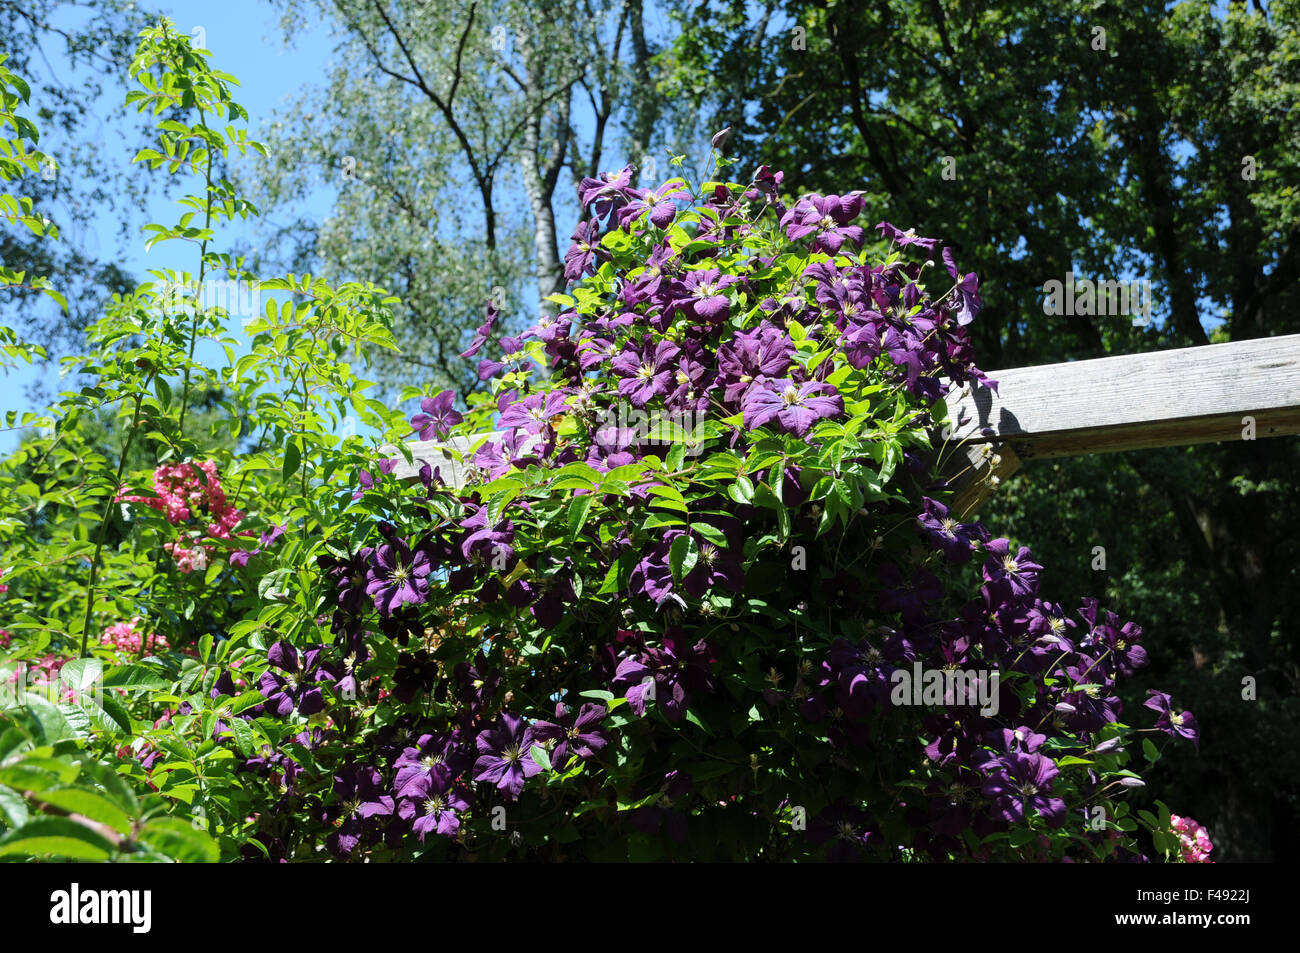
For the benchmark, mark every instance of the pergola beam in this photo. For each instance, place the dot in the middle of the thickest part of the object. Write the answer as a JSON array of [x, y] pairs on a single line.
[[1234, 391], [1138, 401]]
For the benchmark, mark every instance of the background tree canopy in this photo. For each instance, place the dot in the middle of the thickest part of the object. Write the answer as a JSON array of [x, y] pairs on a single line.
[[1138, 140], [77, 53]]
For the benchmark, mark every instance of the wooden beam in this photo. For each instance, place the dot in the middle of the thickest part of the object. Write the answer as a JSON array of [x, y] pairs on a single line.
[[1136, 401]]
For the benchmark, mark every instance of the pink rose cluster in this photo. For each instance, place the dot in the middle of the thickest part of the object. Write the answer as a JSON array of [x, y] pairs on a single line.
[[126, 638], [181, 495], [43, 673], [1194, 839]]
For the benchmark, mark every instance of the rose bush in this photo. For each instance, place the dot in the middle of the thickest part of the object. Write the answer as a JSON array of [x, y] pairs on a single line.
[[694, 592]]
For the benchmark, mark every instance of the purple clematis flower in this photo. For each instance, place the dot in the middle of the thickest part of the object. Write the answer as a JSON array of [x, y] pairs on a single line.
[[360, 799], [1093, 701], [766, 187], [298, 686], [691, 381], [700, 295], [1119, 641], [494, 544], [445, 749], [826, 218], [483, 331], [265, 541], [865, 339], [367, 481], [766, 351], [967, 290], [1016, 574], [646, 373], [397, 576], [581, 257], [1020, 782], [955, 540], [432, 801], [656, 204], [1051, 629], [534, 413], [505, 755], [1183, 724], [608, 193], [439, 416], [667, 675], [845, 830], [498, 457], [793, 408], [574, 734], [906, 238], [348, 577]]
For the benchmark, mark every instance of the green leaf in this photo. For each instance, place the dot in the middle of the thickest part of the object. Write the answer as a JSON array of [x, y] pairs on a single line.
[[682, 556], [270, 588], [694, 719], [107, 712], [134, 677], [541, 757], [1021, 836], [578, 510], [742, 490], [179, 840], [13, 809], [80, 674], [669, 497], [676, 456], [245, 738], [1149, 751], [51, 723], [90, 804], [57, 837], [292, 459]]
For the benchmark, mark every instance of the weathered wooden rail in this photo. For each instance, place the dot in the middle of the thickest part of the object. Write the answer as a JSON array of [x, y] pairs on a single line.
[[1234, 391]]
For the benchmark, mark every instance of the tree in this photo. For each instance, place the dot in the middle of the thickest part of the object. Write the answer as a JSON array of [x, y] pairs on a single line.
[[70, 65], [434, 108]]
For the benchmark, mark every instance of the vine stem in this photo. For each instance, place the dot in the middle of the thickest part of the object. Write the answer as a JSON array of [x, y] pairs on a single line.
[[108, 509], [203, 265]]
